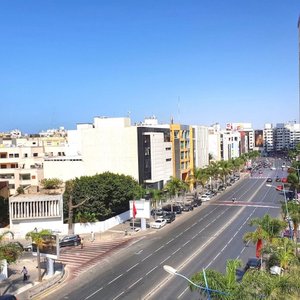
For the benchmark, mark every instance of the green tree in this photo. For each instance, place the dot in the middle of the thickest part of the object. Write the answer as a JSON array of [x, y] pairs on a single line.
[[37, 238], [200, 177], [267, 228], [105, 195], [51, 183], [292, 208], [9, 251], [225, 169], [174, 186], [226, 283], [282, 250]]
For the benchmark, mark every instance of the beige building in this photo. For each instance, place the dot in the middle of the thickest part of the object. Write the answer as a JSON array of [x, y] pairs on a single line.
[[22, 159]]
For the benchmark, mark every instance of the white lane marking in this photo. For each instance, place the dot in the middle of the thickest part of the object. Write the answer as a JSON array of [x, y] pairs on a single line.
[[159, 248], [186, 243], [165, 259], [91, 295], [231, 240], [197, 252], [151, 270], [184, 291], [147, 257], [132, 267], [115, 279], [170, 241], [119, 295], [176, 251], [135, 283]]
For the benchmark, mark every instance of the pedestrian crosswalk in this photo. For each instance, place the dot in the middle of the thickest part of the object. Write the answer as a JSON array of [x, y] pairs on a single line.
[[79, 259]]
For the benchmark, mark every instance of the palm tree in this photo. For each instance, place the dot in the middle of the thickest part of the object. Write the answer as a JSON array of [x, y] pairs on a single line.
[[200, 176], [293, 209], [226, 283], [293, 180], [225, 168], [37, 238], [283, 250], [267, 229]]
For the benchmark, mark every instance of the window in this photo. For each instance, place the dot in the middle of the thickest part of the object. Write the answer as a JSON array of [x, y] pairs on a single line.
[[168, 159], [10, 155], [16, 154], [3, 167], [35, 155]]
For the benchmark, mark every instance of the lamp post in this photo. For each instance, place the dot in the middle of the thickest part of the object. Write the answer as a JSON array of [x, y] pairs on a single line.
[[173, 271]]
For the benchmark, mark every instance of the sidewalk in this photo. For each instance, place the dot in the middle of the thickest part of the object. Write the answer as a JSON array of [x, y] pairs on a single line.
[[25, 290]]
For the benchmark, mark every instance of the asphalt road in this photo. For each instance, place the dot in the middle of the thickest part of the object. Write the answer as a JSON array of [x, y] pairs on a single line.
[[203, 238]]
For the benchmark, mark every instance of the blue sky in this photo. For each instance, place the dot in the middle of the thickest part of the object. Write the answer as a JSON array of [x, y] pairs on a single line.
[[64, 62]]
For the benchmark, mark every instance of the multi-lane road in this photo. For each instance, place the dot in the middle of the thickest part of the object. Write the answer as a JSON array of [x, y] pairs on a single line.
[[203, 238]]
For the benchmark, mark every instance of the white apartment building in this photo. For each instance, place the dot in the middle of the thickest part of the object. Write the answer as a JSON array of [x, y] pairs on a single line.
[[230, 144], [246, 131], [214, 142], [201, 146], [287, 136], [268, 136], [114, 145]]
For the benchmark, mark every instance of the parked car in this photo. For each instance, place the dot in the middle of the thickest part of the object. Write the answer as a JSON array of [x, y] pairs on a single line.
[[253, 263], [204, 198], [196, 202], [269, 179], [284, 180], [278, 179], [188, 207], [158, 223], [157, 212], [169, 216], [175, 208], [70, 240], [279, 187], [8, 297], [28, 247]]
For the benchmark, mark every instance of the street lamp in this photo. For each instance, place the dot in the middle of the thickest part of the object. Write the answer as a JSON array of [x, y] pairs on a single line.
[[173, 271]]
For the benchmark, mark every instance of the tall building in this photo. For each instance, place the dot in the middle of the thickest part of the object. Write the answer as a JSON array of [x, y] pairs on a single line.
[[268, 136], [183, 150], [201, 151]]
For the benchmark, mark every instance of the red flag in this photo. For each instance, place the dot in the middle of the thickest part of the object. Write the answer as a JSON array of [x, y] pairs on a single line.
[[134, 211], [259, 245]]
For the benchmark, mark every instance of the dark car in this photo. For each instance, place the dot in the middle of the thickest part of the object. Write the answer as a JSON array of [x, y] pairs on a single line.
[[269, 179], [175, 208], [8, 297], [188, 207], [196, 202], [278, 179], [70, 240], [253, 263], [169, 216]]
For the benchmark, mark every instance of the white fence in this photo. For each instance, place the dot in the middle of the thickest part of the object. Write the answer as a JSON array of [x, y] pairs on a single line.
[[101, 226], [62, 229]]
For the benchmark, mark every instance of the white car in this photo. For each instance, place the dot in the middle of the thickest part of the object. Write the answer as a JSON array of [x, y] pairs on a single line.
[[204, 198], [158, 223]]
